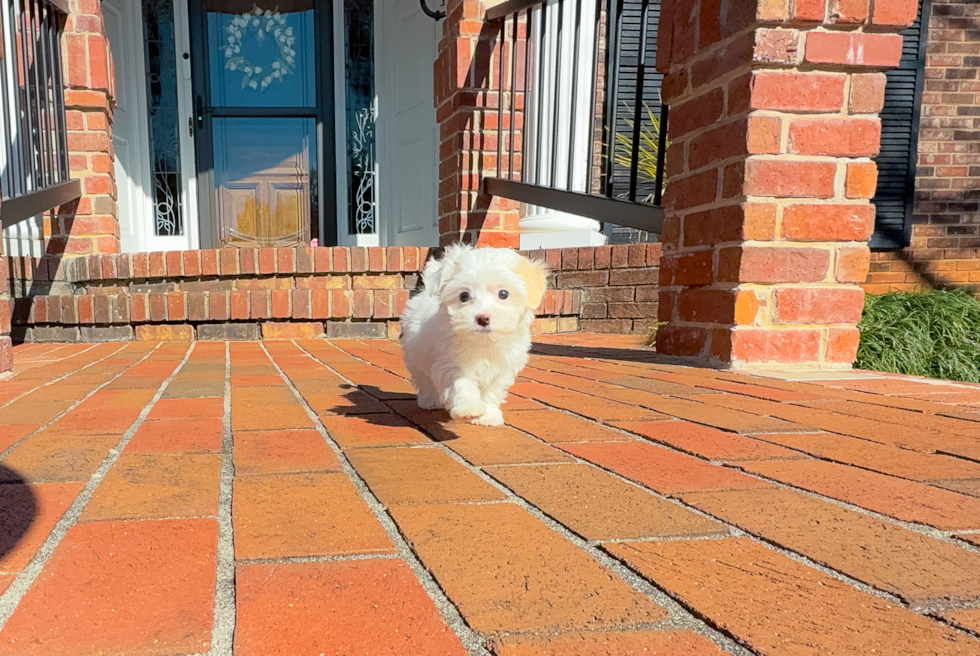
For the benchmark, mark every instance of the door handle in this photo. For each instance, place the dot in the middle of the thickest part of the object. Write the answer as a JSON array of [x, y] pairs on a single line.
[[200, 113]]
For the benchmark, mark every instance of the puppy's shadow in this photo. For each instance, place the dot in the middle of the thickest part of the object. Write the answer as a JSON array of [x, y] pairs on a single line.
[[392, 409], [385, 395], [18, 509]]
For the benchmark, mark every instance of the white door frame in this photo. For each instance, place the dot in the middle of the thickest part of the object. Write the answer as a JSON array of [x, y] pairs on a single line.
[[132, 77], [386, 78], [191, 239], [344, 236], [131, 88]]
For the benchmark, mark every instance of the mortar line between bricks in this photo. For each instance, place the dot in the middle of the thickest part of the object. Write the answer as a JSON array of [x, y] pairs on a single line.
[[63, 376], [4, 453], [223, 620], [917, 528], [920, 608], [928, 531], [961, 605], [737, 531], [668, 396], [673, 538], [286, 560], [679, 616], [454, 620], [575, 460], [922, 529], [20, 586], [958, 455], [47, 351], [931, 482], [817, 389], [772, 545]]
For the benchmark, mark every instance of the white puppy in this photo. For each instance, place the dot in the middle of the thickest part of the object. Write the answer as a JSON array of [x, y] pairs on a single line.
[[467, 335]]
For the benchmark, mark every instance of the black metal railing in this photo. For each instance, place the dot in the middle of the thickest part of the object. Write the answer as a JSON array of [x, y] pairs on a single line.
[[581, 127], [34, 175]]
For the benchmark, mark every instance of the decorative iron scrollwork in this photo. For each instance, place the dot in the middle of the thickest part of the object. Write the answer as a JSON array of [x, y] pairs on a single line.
[[434, 15]]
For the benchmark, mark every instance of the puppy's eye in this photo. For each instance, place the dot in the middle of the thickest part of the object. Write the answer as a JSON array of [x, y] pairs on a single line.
[[503, 294], [464, 297]]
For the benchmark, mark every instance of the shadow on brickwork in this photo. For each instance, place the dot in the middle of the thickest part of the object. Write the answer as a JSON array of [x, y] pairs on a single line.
[[380, 407], [18, 508], [596, 353], [46, 276], [931, 280]]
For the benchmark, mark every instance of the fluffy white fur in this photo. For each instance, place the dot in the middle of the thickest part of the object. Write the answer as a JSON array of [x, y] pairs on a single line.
[[467, 335]]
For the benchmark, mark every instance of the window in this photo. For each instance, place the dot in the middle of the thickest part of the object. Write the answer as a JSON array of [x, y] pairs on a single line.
[[361, 114], [164, 122], [630, 38]]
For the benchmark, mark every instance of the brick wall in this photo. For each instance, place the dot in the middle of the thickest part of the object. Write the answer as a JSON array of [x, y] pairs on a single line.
[[303, 292], [945, 243], [465, 71], [766, 229], [619, 285], [88, 225]]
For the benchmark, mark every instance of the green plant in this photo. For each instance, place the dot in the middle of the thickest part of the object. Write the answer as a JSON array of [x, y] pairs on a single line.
[[646, 165], [651, 338], [934, 334]]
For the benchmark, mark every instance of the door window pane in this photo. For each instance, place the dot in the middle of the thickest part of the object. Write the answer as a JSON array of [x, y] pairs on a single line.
[[265, 172], [261, 55], [360, 114], [161, 73]]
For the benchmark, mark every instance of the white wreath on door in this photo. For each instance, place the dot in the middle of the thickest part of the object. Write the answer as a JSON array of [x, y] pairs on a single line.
[[266, 23]]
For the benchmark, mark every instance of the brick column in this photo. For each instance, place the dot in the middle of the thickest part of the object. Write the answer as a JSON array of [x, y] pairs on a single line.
[[465, 69], [773, 108], [91, 225]]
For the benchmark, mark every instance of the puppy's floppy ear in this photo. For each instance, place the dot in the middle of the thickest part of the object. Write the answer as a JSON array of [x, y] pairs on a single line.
[[535, 274], [438, 272]]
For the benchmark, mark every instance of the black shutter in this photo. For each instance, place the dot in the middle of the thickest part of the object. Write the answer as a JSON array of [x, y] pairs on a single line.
[[895, 195], [628, 59]]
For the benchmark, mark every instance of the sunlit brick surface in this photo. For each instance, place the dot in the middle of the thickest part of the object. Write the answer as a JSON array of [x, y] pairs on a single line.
[[289, 497]]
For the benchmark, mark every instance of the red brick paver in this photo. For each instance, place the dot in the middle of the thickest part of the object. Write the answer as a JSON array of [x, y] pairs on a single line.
[[289, 497], [367, 607], [121, 587], [779, 606]]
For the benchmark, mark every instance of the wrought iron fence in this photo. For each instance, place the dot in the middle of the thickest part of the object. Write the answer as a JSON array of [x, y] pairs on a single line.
[[33, 145], [581, 127]]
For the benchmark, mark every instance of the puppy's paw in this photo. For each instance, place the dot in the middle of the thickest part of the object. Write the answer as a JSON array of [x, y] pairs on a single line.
[[492, 417], [468, 409], [429, 403]]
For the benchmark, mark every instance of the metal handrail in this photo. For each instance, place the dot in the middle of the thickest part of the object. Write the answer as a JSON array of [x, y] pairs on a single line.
[[543, 177], [510, 7], [33, 133]]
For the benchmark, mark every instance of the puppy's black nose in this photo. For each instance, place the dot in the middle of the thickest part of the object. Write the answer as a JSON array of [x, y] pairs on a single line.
[[483, 319]]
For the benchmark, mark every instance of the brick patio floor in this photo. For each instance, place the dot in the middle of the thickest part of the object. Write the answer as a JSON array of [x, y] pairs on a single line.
[[289, 498]]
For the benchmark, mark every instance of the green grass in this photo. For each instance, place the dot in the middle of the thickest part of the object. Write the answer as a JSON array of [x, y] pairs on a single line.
[[651, 338], [934, 334]]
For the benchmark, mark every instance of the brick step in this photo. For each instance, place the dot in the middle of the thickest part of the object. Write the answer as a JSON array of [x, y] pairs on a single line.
[[239, 315], [299, 292]]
